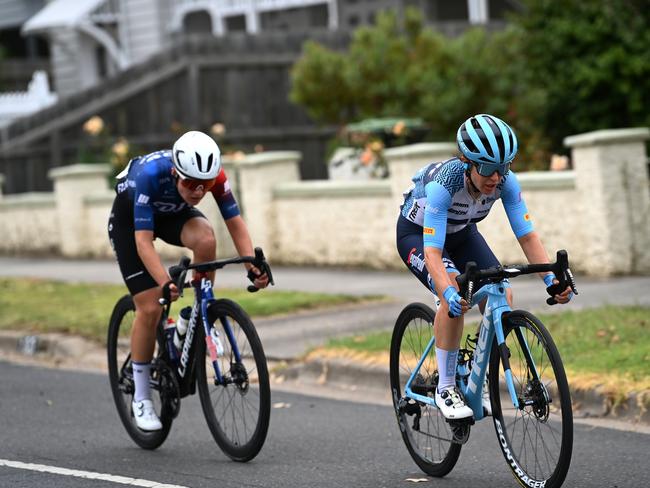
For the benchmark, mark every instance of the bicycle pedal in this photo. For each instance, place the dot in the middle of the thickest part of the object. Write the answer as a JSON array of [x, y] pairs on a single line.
[[461, 429]]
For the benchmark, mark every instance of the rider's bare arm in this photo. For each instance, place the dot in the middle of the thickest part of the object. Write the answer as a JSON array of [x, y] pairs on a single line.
[[150, 257], [241, 238]]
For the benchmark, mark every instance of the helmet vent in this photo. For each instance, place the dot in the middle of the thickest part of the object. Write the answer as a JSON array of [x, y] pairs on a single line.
[[178, 159], [198, 161], [210, 158]]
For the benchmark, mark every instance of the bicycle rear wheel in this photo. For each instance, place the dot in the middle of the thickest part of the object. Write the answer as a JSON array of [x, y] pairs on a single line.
[[425, 431], [120, 373], [537, 438], [238, 409]]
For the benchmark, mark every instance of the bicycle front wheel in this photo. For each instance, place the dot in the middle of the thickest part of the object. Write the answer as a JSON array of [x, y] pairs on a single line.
[[120, 373], [537, 438], [425, 431], [237, 408]]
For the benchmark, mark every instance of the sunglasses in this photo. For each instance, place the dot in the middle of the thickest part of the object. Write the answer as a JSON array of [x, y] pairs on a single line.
[[194, 185], [488, 169]]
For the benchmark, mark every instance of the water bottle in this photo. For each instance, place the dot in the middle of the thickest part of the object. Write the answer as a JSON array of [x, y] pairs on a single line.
[[181, 327], [170, 330]]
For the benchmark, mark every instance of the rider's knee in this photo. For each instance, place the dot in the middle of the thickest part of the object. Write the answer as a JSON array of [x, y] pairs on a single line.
[[205, 244]]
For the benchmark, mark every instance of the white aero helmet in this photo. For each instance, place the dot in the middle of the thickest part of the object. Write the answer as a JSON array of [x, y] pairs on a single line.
[[196, 156]]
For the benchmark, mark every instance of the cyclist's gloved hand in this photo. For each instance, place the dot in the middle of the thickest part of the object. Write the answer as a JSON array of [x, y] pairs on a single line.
[[453, 301], [565, 296], [169, 292], [259, 279], [549, 279]]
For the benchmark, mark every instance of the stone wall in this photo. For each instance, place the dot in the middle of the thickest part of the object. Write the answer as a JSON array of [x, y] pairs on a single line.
[[599, 211]]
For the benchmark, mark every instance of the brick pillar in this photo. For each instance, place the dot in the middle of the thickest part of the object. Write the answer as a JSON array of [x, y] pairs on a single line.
[[612, 181]]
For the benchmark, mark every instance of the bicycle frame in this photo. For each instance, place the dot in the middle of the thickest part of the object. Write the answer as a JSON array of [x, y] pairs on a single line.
[[203, 297], [491, 326]]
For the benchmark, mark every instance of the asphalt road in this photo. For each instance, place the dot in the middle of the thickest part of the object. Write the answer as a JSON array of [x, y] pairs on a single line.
[[64, 419]]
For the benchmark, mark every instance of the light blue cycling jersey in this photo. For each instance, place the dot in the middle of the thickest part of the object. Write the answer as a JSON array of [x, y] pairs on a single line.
[[439, 200]]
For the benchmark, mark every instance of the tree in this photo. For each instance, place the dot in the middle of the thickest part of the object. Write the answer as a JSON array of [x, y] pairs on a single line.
[[591, 59], [408, 70]]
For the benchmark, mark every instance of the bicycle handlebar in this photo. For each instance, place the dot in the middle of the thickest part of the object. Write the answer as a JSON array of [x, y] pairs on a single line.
[[179, 271], [560, 268]]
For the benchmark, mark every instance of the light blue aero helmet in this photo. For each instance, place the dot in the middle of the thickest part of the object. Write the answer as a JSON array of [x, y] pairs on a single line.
[[488, 142]]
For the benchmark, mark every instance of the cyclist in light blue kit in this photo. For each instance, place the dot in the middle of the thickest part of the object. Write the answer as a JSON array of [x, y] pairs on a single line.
[[438, 223], [156, 198]]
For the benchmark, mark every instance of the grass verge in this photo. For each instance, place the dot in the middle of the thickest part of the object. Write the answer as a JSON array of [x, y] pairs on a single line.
[[84, 309], [606, 348]]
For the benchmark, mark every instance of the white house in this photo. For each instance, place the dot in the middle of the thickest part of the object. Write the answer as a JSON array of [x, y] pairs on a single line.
[[93, 39]]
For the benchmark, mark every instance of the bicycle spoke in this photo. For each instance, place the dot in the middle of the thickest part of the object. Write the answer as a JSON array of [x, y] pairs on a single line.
[[535, 433]]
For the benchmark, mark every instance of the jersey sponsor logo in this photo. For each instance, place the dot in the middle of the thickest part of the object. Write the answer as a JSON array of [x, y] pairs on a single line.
[[414, 210], [527, 217], [143, 199], [429, 230], [169, 206], [459, 204], [434, 169], [415, 260], [457, 212]]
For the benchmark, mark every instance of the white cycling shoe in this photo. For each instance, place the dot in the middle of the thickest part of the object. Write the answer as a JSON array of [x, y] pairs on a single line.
[[145, 415], [451, 404]]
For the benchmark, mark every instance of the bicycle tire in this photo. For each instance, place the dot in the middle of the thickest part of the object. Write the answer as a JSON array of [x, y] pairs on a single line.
[[412, 332], [119, 354], [237, 439], [543, 458]]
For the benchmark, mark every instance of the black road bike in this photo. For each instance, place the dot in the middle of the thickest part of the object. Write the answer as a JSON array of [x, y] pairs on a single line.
[[222, 356]]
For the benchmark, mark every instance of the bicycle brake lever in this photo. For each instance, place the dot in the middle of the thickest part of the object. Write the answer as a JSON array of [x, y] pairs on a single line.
[[572, 281]]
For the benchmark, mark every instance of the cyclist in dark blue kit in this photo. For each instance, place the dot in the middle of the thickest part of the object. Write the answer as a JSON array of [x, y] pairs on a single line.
[[437, 234], [156, 198]]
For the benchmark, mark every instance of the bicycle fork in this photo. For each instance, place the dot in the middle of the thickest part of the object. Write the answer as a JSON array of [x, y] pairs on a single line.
[[212, 340]]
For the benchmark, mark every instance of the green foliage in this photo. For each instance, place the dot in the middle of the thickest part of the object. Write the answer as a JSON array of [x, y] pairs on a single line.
[[321, 69], [560, 68], [593, 61], [407, 70]]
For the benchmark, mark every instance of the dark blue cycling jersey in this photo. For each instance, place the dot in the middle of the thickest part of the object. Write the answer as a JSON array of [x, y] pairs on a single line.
[[150, 185]]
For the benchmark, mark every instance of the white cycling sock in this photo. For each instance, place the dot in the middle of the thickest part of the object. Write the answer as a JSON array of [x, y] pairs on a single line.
[[141, 380], [446, 368]]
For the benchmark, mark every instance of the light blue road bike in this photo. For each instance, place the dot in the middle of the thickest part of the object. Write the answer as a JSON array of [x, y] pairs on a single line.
[[529, 394]]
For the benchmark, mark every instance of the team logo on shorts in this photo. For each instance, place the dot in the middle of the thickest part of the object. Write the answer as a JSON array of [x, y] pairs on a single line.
[[415, 260]]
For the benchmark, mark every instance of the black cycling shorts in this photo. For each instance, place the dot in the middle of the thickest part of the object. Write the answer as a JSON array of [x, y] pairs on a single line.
[[121, 233], [460, 248]]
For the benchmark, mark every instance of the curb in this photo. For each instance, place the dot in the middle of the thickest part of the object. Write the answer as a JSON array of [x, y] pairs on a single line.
[[593, 403], [53, 349], [63, 350]]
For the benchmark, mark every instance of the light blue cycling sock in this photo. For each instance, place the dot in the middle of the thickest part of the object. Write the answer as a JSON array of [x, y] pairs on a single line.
[[446, 368], [141, 380]]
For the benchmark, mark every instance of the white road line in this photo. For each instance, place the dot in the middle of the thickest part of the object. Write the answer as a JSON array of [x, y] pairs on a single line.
[[86, 474]]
